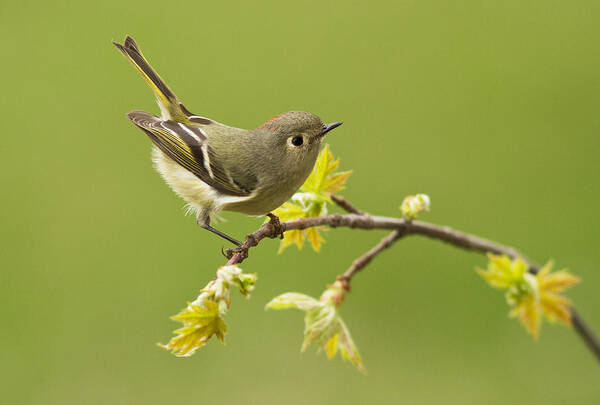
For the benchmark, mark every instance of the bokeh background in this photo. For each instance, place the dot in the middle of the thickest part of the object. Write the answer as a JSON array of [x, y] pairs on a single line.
[[490, 107]]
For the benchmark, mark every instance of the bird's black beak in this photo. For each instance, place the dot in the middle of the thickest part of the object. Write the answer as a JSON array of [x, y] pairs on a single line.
[[329, 127]]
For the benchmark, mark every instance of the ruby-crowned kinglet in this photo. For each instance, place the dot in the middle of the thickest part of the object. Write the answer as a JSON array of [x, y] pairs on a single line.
[[215, 167]]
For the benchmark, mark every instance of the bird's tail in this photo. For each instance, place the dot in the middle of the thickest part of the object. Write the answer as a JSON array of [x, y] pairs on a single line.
[[169, 105]]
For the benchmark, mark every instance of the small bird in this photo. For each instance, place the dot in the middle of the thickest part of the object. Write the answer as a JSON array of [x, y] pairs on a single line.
[[216, 167]]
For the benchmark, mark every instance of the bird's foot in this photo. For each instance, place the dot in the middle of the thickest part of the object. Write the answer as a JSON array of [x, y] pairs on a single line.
[[277, 226], [241, 250]]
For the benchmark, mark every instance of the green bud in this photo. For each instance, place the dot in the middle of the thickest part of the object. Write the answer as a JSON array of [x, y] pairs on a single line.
[[334, 293], [233, 275], [413, 205]]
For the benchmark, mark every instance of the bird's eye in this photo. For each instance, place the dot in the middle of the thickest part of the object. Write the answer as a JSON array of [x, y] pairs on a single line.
[[297, 141]]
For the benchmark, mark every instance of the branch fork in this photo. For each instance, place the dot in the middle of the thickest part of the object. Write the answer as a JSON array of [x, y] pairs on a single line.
[[358, 219]]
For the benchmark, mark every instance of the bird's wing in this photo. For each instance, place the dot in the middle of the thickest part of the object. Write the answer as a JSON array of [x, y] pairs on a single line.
[[187, 145]]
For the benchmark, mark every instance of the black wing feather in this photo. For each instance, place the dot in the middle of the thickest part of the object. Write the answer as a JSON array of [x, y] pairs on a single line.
[[187, 146]]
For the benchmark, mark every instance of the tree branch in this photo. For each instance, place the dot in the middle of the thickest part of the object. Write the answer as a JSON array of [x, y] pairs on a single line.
[[357, 219], [345, 204], [362, 261], [585, 333]]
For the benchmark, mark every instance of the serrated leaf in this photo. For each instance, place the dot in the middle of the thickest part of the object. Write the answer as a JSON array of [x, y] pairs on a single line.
[[528, 313], [292, 300], [311, 200], [348, 348], [496, 280], [558, 281], [335, 182], [315, 239], [319, 323], [289, 212], [502, 272], [200, 323], [331, 346], [556, 308], [290, 237], [233, 275], [323, 169], [203, 318], [530, 295], [322, 323]]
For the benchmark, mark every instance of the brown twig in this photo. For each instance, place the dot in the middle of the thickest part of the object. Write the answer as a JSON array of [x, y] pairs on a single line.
[[345, 204], [270, 229], [401, 228], [362, 261], [585, 333]]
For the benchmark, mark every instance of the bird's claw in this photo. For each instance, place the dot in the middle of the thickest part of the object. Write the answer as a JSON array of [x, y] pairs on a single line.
[[229, 253], [277, 227]]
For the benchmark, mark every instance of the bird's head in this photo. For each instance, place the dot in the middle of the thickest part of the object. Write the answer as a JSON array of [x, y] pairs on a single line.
[[299, 133]]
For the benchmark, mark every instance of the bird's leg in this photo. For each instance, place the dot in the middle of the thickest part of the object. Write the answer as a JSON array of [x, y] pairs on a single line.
[[221, 234], [274, 220]]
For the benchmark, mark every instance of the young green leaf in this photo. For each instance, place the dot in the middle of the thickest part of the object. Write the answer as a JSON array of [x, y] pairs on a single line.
[[311, 200], [200, 322], [293, 300], [322, 179], [233, 275], [529, 295], [203, 317], [555, 306], [322, 322]]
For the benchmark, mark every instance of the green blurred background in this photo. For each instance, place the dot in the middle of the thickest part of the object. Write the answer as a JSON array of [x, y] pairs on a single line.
[[490, 107]]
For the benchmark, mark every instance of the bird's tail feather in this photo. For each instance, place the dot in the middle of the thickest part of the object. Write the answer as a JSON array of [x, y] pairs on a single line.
[[167, 101]]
